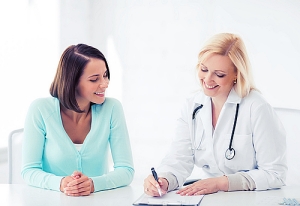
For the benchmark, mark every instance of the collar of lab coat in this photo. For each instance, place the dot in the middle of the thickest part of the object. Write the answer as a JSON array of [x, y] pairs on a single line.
[[233, 98], [206, 115]]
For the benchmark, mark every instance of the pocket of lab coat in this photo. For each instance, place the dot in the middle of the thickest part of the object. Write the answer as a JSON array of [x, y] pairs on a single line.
[[244, 158]]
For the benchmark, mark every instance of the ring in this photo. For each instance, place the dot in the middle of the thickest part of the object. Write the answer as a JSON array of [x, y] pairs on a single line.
[[146, 189]]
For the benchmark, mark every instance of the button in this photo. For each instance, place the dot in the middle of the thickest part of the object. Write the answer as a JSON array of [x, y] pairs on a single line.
[[206, 166]]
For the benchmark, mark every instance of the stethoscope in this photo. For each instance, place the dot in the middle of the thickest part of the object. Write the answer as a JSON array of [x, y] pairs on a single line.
[[230, 152]]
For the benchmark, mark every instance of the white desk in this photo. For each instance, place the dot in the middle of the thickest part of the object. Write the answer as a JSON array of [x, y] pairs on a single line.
[[23, 195], [249, 198]]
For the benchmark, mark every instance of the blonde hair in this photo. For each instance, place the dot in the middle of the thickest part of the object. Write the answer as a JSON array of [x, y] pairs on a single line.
[[231, 45]]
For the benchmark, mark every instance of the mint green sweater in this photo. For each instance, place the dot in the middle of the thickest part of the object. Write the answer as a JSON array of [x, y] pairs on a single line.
[[49, 154]]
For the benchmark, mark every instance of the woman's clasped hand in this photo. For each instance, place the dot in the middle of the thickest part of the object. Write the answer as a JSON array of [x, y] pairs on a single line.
[[77, 184]]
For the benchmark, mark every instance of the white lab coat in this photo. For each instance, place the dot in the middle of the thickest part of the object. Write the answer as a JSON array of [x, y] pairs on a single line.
[[259, 141]]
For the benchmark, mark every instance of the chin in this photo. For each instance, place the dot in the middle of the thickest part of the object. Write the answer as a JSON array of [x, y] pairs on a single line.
[[209, 93], [100, 101]]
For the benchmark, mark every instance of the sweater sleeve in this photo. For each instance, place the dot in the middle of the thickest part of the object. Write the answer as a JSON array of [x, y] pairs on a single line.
[[172, 180], [123, 172], [32, 152], [240, 181]]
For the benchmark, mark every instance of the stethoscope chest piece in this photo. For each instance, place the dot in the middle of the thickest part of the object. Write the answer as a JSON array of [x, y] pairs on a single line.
[[230, 153]]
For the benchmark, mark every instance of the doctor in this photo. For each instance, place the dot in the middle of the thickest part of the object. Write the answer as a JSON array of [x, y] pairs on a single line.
[[227, 129]]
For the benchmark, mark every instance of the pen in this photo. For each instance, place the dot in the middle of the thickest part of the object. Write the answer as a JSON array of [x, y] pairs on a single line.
[[156, 178]]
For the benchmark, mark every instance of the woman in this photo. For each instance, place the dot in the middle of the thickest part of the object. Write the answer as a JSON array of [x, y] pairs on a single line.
[[67, 136], [227, 129]]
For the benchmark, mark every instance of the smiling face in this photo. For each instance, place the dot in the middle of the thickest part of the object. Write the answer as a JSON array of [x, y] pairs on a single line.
[[92, 83], [217, 75]]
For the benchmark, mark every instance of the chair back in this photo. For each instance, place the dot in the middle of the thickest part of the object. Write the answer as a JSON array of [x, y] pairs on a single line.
[[290, 119], [15, 157]]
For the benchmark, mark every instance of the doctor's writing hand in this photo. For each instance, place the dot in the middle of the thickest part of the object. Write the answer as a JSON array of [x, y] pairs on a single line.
[[206, 186], [151, 186], [77, 185]]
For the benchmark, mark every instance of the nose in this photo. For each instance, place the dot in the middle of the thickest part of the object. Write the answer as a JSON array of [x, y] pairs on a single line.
[[104, 83]]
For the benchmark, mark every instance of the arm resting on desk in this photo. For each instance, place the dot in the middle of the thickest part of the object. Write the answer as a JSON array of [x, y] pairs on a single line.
[[240, 181]]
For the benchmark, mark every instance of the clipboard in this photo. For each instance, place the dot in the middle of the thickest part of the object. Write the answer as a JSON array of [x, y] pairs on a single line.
[[169, 199]]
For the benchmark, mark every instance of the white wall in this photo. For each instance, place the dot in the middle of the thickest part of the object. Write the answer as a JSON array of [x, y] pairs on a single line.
[[157, 42], [152, 49], [29, 40]]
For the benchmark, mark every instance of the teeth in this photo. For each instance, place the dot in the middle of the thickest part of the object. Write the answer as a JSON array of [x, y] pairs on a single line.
[[99, 92], [210, 87]]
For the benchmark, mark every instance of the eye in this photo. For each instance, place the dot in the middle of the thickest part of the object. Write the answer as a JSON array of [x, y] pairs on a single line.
[[203, 68], [105, 75], [94, 80], [220, 75]]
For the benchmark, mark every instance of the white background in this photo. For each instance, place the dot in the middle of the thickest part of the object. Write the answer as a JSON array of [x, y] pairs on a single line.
[[151, 47]]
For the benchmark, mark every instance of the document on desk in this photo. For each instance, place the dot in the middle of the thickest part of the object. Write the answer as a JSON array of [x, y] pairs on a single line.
[[171, 198]]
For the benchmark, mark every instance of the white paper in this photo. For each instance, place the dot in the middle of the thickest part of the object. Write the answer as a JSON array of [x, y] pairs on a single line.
[[171, 198]]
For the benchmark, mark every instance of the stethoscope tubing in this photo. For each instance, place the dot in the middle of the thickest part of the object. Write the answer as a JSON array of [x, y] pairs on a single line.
[[230, 152], [193, 128], [234, 125]]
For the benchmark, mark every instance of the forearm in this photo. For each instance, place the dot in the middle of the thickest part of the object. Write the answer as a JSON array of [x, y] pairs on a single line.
[[41, 179], [118, 178], [240, 181]]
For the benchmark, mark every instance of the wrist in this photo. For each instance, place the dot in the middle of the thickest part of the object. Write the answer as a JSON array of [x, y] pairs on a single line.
[[61, 184], [92, 185], [223, 183], [167, 183]]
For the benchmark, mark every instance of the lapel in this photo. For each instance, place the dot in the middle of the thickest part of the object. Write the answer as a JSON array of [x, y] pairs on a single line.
[[203, 121], [226, 118], [206, 118]]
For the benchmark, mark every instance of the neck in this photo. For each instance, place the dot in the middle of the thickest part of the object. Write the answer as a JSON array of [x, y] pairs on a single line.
[[217, 103], [75, 116], [216, 107]]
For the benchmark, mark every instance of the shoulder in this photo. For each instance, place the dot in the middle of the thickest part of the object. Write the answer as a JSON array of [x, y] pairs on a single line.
[[110, 108], [255, 98], [111, 101], [256, 102], [109, 104], [197, 97], [45, 105], [193, 101], [44, 101]]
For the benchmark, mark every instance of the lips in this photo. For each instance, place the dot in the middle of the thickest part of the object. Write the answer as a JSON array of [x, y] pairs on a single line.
[[99, 93], [210, 87]]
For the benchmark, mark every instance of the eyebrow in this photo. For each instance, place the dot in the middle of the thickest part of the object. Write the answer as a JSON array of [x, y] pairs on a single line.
[[221, 71], [94, 75], [97, 75]]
